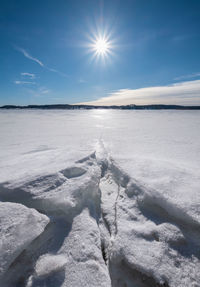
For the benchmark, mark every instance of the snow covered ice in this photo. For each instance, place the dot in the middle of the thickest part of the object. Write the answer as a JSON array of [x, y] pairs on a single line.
[[99, 198]]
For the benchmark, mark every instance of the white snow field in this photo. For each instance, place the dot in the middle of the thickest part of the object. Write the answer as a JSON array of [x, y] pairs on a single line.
[[99, 198]]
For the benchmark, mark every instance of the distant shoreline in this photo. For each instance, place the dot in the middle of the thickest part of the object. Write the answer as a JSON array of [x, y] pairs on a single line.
[[89, 107]]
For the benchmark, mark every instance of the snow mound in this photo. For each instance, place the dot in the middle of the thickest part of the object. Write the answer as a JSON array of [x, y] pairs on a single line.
[[63, 193], [19, 227]]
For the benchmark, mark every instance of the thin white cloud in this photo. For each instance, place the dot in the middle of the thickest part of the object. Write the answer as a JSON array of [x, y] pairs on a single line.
[[44, 91], [58, 72], [82, 81], [29, 75], [38, 91], [189, 76], [27, 55], [184, 93], [24, 83]]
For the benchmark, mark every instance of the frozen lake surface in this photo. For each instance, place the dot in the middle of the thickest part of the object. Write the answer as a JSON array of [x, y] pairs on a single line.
[[112, 198]]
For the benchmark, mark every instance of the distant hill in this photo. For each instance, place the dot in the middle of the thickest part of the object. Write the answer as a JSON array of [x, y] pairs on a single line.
[[89, 107]]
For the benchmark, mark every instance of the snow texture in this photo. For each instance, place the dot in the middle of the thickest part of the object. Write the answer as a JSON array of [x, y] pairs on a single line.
[[99, 198]]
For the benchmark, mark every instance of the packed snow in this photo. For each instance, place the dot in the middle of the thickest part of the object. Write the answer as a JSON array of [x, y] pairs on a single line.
[[99, 198]]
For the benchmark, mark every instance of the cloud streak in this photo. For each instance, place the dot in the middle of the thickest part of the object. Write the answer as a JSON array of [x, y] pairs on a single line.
[[58, 72], [82, 81], [184, 93], [24, 83], [29, 75], [28, 56], [190, 76], [38, 91]]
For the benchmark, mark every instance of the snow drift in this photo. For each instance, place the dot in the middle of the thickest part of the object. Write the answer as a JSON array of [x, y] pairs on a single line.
[[100, 219]]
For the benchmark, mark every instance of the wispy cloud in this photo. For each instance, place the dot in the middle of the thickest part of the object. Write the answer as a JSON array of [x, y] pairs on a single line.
[[44, 91], [189, 76], [58, 72], [82, 81], [27, 55], [38, 91], [29, 75], [187, 93], [24, 83]]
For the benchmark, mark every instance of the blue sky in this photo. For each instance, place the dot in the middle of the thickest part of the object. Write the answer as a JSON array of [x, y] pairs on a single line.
[[46, 57]]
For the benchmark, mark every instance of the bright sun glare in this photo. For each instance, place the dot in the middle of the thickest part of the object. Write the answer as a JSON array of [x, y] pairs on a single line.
[[101, 46]]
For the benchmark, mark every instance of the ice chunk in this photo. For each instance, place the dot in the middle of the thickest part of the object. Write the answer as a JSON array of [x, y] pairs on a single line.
[[48, 264], [85, 266], [19, 226]]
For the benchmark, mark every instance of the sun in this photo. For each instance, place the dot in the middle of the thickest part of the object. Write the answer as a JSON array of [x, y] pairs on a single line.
[[101, 46]]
